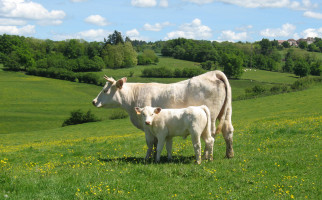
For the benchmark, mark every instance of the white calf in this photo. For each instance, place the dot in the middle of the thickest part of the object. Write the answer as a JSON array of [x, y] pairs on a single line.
[[164, 124]]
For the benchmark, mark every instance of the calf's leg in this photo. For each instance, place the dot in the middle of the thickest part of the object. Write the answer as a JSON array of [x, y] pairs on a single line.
[[149, 141], [169, 148], [197, 146]]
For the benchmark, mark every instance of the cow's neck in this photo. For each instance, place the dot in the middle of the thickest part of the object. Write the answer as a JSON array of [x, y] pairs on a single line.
[[128, 98]]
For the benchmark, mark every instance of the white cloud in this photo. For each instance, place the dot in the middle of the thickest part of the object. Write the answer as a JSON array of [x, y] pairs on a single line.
[[14, 30], [156, 27], [144, 3], [312, 32], [76, 1], [200, 1], [90, 35], [12, 22], [313, 15], [28, 10], [134, 34], [306, 4], [244, 28], [286, 31], [193, 30], [50, 22], [164, 3], [232, 36], [97, 20], [94, 34]]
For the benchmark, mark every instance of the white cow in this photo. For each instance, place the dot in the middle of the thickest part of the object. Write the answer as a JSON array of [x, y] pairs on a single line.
[[211, 89], [164, 124]]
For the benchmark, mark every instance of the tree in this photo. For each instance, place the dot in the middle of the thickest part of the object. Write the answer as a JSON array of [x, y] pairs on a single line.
[[207, 65], [289, 65], [316, 68], [114, 38], [233, 66], [266, 46], [301, 68], [286, 44], [74, 49], [130, 55], [303, 44]]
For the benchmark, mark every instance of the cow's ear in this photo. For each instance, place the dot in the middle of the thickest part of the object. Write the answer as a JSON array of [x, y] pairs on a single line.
[[157, 110], [120, 82], [138, 110]]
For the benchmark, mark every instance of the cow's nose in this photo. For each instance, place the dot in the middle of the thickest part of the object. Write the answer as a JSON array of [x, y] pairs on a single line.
[[94, 102], [148, 123]]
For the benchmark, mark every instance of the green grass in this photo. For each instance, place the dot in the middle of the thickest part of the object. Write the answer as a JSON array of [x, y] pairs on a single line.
[[277, 144], [34, 103]]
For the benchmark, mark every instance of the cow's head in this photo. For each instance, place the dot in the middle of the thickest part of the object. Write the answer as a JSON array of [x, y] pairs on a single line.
[[110, 97], [147, 113]]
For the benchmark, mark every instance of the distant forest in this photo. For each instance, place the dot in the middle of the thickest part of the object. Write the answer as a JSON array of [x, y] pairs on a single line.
[[65, 58]]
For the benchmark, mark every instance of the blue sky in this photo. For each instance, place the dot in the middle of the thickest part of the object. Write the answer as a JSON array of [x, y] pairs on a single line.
[[152, 20]]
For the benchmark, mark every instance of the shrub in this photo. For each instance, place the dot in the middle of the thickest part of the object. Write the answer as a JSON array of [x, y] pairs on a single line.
[[119, 114], [302, 83], [207, 65], [164, 72], [301, 68], [278, 89], [78, 117]]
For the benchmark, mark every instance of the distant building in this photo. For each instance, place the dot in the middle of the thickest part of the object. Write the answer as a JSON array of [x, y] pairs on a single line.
[[280, 41], [292, 42]]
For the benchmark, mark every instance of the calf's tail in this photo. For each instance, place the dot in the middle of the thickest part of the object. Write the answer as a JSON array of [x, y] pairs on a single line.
[[208, 126]]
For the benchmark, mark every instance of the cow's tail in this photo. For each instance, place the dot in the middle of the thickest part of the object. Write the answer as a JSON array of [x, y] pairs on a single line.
[[227, 103], [208, 126]]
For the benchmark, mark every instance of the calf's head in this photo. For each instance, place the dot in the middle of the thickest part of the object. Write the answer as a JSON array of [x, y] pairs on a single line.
[[147, 113], [110, 95]]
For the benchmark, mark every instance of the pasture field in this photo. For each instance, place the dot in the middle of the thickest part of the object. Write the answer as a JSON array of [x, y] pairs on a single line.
[[277, 144], [30, 103]]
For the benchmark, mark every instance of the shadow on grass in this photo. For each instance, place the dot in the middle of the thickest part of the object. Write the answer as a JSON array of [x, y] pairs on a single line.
[[140, 160]]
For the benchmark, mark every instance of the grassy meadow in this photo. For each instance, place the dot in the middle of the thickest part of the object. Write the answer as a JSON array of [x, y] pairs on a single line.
[[277, 144]]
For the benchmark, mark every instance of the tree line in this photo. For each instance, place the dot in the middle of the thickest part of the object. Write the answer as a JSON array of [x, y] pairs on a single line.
[[23, 53], [233, 57], [49, 58]]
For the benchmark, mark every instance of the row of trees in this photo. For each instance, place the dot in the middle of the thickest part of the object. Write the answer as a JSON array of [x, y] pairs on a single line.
[[233, 57], [21, 53]]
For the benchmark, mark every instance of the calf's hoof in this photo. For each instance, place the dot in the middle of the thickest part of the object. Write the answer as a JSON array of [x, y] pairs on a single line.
[[198, 162]]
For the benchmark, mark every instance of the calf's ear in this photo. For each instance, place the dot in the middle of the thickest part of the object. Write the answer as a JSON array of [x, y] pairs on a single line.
[[157, 110], [120, 82], [138, 110]]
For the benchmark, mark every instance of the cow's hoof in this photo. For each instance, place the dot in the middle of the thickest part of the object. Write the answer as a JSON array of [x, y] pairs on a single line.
[[230, 154]]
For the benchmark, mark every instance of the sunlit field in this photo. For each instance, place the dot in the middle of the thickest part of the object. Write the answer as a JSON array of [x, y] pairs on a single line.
[[277, 142]]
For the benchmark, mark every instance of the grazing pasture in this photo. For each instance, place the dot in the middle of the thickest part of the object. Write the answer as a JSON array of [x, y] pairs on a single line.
[[277, 145]]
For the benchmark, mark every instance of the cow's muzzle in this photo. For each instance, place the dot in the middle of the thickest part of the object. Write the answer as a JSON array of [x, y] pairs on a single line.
[[94, 102], [148, 123]]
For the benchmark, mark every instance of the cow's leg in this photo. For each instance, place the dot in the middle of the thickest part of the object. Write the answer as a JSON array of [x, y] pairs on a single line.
[[197, 146], [149, 141], [228, 131], [161, 141], [213, 127], [169, 148]]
